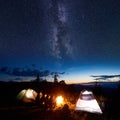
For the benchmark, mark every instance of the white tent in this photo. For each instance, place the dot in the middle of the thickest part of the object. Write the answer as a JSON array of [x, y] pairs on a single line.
[[27, 95], [87, 102]]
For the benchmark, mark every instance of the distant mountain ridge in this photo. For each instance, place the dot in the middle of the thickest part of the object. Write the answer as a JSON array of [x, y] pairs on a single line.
[[103, 85]]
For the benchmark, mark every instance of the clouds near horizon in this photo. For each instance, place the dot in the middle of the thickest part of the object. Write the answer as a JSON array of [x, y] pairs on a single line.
[[105, 77]]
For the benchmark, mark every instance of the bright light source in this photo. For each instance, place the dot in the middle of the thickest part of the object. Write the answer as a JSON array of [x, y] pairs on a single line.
[[59, 100], [29, 93]]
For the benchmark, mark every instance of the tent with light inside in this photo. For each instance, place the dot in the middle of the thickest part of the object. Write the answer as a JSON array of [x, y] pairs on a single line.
[[27, 95], [87, 102]]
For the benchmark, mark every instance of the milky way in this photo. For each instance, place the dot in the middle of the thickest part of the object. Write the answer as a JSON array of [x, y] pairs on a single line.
[[60, 39]]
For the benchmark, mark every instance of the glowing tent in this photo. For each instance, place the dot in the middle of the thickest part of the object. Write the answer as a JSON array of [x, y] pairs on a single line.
[[27, 95], [87, 102]]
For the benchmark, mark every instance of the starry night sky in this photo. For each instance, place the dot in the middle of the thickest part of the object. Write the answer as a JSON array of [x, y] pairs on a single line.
[[78, 37]]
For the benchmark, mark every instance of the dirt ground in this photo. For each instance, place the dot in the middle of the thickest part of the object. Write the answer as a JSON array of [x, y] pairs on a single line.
[[36, 113]]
